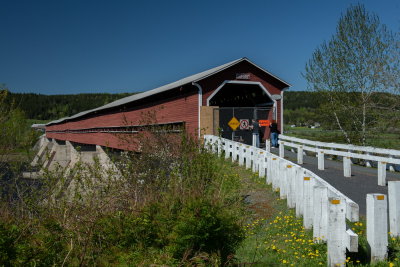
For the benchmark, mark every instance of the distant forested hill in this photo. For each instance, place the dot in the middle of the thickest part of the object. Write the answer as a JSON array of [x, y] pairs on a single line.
[[51, 107], [301, 99]]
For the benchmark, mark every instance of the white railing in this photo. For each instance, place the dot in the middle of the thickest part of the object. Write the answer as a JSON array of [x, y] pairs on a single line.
[[323, 208], [380, 155]]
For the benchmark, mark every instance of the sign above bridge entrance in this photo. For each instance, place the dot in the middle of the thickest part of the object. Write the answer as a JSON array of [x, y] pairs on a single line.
[[234, 123]]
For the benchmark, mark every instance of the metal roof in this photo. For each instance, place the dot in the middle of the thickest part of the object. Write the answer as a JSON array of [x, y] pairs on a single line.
[[190, 79]]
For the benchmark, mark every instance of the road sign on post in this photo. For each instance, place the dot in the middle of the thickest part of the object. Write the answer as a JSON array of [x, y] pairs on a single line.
[[264, 123], [244, 124], [234, 123]]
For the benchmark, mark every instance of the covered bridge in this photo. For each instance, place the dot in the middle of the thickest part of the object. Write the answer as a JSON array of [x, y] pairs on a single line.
[[202, 103]]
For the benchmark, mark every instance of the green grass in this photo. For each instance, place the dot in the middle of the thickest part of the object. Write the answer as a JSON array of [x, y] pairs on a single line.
[[274, 236]]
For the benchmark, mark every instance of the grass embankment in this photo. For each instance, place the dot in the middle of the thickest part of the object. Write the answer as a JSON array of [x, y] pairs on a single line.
[[274, 236]]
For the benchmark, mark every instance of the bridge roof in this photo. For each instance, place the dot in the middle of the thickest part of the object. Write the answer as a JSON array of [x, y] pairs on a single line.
[[190, 79]]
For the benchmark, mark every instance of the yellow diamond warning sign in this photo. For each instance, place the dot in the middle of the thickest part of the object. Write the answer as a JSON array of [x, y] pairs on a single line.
[[234, 123]]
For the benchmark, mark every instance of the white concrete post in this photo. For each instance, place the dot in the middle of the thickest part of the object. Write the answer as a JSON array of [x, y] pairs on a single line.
[[261, 164], [377, 233], [300, 155], [267, 145], [394, 208], [346, 166], [258, 160], [321, 162], [294, 172], [291, 197], [254, 159], [299, 192], [274, 172], [381, 173], [282, 179], [320, 220], [227, 149], [268, 166], [255, 140], [248, 157], [308, 184], [219, 146], [241, 155], [213, 140], [279, 173], [367, 162], [282, 149], [352, 241], [391, 168], [234, 151], [337, 237]]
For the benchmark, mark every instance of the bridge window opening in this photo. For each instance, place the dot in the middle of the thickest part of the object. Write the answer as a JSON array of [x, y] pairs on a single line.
[[173, 127], [241, 95]]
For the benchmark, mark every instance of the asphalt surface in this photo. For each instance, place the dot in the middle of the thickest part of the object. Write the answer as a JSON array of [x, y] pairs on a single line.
[[363, 180]]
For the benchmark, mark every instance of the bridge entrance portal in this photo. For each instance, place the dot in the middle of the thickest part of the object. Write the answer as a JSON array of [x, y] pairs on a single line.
[[249, 103]]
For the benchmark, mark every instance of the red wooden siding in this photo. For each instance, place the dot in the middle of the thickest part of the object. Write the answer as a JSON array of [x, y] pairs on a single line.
[[174, 109]]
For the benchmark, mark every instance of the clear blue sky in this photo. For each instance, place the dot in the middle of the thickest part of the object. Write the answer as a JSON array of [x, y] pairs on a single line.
[[81, 46]]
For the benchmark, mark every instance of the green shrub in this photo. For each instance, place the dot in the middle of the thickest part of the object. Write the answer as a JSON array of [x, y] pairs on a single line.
[[203, 226]]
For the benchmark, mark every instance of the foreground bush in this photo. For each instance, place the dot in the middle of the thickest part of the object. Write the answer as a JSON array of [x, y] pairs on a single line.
[[172, 204]]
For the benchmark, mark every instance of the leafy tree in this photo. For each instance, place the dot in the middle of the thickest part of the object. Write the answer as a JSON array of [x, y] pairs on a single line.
[[354, 71]]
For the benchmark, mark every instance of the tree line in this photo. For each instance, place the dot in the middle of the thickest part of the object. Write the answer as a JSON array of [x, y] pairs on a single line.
[[51, 107]]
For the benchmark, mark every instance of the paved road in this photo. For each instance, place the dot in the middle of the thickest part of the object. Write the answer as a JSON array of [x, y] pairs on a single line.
[[363, 180]]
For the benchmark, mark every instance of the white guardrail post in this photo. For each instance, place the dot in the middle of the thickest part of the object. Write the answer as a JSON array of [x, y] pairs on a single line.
[[299, 192], [321, 161], [394, 208], [291, 197], [274, 172], [320, 221], [227, 148], [267, 145], [241, 154], [336, 233], [282, 179], [248, 157], [346, 166], [281, 149], [381, 173], [261, 164], [391, 167], [300, 155], [377, 233], [219, 146], [308, 183], [254, 158], [234, 151], [323, 207]]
